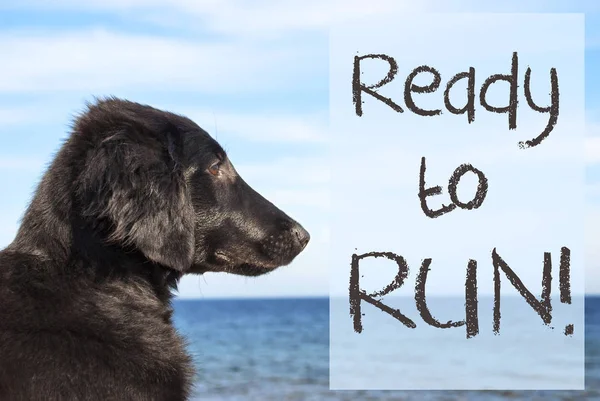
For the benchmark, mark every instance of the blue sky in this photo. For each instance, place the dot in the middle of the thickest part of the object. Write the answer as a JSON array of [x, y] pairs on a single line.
[[256, 77]]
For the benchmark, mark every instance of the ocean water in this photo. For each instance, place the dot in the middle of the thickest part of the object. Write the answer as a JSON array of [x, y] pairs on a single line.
[[278, 349], [525, 355]]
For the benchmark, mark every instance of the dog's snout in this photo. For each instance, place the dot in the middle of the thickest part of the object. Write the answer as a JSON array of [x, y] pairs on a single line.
[[301, 234]]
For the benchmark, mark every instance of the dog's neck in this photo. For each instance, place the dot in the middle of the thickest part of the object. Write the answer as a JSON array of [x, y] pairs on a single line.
[[72, 243]]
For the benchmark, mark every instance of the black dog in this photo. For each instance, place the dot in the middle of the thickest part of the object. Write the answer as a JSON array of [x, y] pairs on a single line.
[[134, 199]]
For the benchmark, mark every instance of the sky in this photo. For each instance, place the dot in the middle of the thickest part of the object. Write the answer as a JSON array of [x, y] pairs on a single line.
[[253, 74]]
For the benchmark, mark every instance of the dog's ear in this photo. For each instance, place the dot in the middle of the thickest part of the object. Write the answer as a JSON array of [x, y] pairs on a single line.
[[136, 183]]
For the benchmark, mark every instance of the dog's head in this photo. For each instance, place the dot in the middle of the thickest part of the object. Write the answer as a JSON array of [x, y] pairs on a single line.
[[159, 183]]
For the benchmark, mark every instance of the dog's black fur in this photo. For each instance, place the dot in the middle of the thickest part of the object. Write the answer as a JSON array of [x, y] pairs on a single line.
[[135, 198]]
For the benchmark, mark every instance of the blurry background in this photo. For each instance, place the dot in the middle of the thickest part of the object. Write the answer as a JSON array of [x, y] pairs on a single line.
[[254, 75]]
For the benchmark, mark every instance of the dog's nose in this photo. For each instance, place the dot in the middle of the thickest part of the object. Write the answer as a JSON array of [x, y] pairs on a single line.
[[301, 234]]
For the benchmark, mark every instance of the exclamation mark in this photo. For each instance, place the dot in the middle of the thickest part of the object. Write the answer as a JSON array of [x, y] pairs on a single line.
[[565, 282]]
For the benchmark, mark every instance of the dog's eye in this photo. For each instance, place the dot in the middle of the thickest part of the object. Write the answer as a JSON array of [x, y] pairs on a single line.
[[215, 168]]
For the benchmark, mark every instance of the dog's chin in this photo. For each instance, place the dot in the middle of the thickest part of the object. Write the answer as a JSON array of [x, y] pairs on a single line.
[[225, 264], [243, 269], [247, 269]]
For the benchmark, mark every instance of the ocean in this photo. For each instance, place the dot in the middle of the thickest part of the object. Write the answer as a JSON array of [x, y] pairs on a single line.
[[278, 349]]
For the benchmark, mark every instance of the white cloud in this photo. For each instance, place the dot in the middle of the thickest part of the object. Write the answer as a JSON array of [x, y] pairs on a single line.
[[318, 198], [263, 127], [592, 248], [14, 116], [592, 191], [294, 171], [275, 18], [235, 17], [269, 17], [22, 163], [514, 6], [34, 113], [592, 150], [592, 143], [299, 183], [97, 60]]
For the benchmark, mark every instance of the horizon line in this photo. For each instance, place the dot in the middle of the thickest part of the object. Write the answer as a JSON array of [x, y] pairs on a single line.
[[327, 296]]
